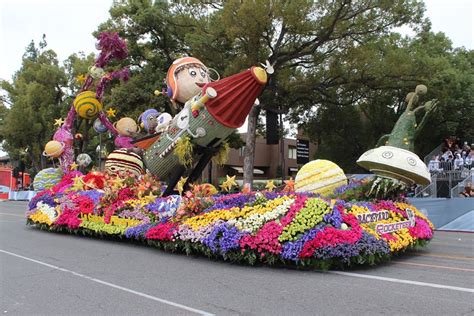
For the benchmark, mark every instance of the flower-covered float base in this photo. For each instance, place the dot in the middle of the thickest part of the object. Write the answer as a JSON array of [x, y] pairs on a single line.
[[284, 227]]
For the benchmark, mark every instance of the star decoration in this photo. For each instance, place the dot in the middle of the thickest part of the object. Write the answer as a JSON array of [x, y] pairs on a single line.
[[81, 78], [78, 184], [116, 183], [289, 185], [180, 185], [270, 185], [111, 112], [150, 198], [58, 122], [73, 166], [228, 183]]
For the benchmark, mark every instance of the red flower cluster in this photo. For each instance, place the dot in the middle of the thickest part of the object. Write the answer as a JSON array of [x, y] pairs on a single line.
[[331, 236], [84, 204], [162, 231]]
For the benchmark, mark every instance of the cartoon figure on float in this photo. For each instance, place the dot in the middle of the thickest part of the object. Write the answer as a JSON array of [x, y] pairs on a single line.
[[149, 120], [394, 158], [212, 110], [185, 79]]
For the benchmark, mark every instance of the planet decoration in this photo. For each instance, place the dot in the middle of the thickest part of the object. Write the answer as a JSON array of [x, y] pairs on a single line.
[[99, 127], [396, 163], [120, 160], [53, 149], [83, 160], [86, 104], [320, 176], [47, 178], [126, 126]]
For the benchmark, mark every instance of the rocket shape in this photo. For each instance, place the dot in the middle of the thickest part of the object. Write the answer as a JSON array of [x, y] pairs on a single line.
[[207, 119]]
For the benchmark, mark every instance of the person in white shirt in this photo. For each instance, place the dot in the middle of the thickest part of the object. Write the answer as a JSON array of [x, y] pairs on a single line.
[[458, 162], [433, 165]]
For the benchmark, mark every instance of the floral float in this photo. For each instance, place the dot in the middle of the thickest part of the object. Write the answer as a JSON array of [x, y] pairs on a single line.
[[286, 228]]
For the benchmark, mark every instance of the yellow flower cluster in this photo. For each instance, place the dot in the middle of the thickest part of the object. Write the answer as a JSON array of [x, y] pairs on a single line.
[[404, 239], [205, 219], [40, 217]]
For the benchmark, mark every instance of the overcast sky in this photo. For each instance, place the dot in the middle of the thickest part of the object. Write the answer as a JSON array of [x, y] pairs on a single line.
[[68, 25]]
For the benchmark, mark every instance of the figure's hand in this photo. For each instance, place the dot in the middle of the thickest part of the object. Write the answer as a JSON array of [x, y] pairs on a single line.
[[431, 105]]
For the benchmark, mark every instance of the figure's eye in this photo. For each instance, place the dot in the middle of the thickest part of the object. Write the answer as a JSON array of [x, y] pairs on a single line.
[[203, 73], [192, 72]]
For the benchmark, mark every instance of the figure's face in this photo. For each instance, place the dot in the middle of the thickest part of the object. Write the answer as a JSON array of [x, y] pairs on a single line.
[[152, 122], [190, 79]]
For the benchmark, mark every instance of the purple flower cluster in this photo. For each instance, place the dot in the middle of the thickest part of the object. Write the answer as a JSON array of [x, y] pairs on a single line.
[[223, 238], [351, 185], [94, 195], [45, 198], [367, 245], [134, 215], [164, 207], [292, 249], [225, 202], [139, 231], [334, 218]]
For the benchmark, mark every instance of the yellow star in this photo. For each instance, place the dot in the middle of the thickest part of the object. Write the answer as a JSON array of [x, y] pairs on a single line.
[[81, 78], [180, 185], [270, 185], [58, 122], [73, 166], [116, 183], [228, 183], [225, 186], [111, 112], [150, 198], [78, 184]]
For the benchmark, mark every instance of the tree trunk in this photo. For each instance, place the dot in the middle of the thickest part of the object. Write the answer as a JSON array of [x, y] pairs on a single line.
[[249, 151]]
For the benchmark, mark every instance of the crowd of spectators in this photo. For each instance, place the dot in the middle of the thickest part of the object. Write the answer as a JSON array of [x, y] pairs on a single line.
[[454, 156]]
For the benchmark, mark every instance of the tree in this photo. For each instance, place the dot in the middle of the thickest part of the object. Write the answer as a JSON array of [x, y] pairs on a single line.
[[372, 109], [307, 42], [36, 96]]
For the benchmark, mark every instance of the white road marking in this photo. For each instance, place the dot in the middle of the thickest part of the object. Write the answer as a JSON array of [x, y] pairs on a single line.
[[10, 214], [381, 278], [151, 297]]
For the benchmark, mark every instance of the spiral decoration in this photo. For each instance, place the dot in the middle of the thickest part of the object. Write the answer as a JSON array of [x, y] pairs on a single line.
[[86, 104]]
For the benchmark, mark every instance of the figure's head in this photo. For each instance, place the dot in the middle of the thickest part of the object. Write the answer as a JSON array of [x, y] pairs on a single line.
[[149, 119], [185, 78]]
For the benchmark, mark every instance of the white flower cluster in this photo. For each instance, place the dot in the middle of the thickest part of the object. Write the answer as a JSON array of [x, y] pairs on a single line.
[[47, 210], [255, 221]]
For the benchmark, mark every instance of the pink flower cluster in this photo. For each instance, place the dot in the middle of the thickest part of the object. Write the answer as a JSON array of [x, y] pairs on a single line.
[[265, 240], [162, 231], [421, 229], [331, 236]]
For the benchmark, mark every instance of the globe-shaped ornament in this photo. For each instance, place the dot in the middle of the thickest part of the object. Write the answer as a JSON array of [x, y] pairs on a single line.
[[99, 127]]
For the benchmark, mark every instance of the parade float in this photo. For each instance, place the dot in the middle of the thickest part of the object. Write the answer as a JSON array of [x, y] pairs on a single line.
[[149, 194]]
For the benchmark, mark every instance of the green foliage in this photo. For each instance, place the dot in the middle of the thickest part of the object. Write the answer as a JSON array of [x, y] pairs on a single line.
[[37, 98]]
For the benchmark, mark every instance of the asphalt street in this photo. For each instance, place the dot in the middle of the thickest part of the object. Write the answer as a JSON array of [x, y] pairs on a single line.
[[45, 273]]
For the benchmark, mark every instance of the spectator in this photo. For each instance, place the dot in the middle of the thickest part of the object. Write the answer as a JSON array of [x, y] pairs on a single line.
[[434, 166], [468, 192], [458, 162], [469, 160]]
